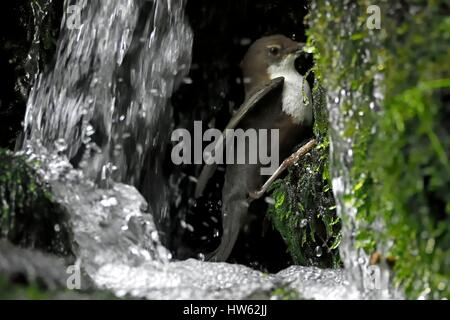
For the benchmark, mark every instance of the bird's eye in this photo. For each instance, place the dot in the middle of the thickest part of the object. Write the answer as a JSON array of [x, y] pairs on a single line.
[[274, 50]]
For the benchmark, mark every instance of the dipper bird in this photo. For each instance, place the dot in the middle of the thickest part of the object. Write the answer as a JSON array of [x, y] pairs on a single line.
[[276, 97]]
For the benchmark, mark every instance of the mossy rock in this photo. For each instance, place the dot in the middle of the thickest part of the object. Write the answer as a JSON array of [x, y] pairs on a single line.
[[390, 90], [304, 211], [29, 217]]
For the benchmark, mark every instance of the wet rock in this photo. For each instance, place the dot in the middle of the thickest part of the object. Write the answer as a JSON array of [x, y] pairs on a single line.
[[31, 274], [304, 211], [24, 266], [29, 217]]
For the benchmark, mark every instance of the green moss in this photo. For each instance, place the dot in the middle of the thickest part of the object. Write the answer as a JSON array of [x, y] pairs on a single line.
[[392, 90], [10, 290], [285, 293], [304, 211], [28, 215]]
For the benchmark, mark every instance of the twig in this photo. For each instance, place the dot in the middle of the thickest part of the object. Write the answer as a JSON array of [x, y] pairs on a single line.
[[286, 164]]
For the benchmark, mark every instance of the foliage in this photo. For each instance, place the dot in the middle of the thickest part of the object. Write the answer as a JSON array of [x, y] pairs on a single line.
[[285, 293], [9, 291], [15, 290], [392, 88], [28, 215]]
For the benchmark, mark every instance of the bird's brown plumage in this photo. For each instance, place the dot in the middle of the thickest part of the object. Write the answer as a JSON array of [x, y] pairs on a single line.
[[241, 179]]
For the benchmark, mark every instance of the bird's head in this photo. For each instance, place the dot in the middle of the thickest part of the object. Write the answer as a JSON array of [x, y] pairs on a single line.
[[268, 53]]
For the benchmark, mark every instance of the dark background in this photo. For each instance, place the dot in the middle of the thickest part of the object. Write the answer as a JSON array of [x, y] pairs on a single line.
[[17, 29], [223, 31]]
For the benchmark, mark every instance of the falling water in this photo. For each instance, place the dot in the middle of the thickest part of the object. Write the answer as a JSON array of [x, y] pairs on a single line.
[[105, 103], [344, 102], [357, 263], [100, 118]]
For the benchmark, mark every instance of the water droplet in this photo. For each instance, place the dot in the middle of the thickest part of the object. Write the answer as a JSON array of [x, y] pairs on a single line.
[[60, 145], [154, 235], [90, 130], [186, 226], [192, 202], [110, 202], [193, 179], [121, 293], [303, 223], [187, 80], [139, 149], [350, 153], [318, 251], [201, 257]]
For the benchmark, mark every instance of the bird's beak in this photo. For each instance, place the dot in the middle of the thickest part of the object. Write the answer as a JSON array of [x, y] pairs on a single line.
[[297, 50]]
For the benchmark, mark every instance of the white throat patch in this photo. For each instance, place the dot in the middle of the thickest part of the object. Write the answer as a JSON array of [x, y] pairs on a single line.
[[297, 101]]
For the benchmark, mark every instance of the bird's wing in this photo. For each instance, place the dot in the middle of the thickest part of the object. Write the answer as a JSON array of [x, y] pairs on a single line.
[[248, 105]]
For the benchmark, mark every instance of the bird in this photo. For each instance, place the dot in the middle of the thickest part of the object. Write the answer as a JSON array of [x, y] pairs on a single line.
[[276, 97]]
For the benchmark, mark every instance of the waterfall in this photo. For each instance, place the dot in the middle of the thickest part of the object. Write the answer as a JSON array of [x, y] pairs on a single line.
[[105, 104], [360, 109]]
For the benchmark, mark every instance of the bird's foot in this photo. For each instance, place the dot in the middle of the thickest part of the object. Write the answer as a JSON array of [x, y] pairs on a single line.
[[286, 164]]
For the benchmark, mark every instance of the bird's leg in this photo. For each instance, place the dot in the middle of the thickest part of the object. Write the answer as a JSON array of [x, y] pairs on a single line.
[[286, 164]]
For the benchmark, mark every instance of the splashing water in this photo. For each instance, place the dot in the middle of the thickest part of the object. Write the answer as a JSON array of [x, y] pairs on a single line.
[[343, 102], [99, 118], [107, 94]]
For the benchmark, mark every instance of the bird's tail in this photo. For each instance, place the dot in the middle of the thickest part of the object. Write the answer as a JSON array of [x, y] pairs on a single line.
[[234, 210], [231, 227]]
